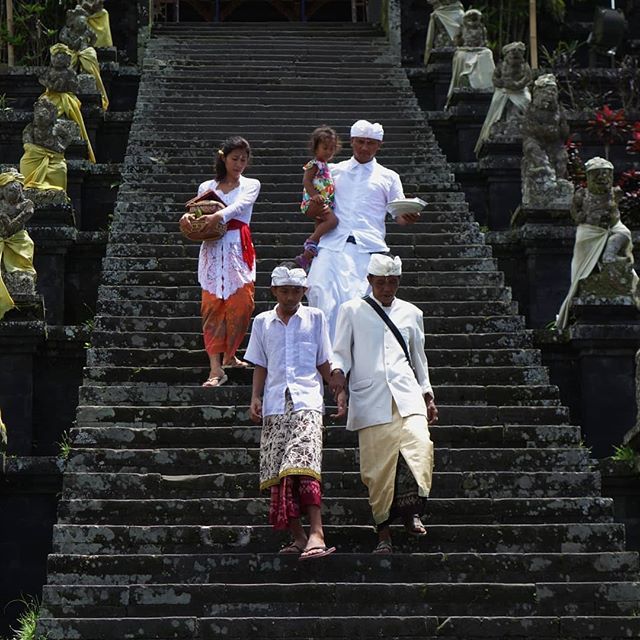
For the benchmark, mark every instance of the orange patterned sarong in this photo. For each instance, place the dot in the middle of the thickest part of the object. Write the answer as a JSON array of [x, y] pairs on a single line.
[[225, 322]]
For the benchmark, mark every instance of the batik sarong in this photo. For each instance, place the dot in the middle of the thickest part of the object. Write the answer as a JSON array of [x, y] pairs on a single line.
[[225, 321], [290, 499]]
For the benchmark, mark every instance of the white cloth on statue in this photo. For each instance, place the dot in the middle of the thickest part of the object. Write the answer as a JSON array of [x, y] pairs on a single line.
[[590, 243], [521, 99], [367, 349], [291, 353], [221, 266], [451, 19], [473, 63], [339, 272]]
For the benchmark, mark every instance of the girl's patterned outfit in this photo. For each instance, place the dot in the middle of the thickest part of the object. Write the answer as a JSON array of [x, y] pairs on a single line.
[[227, 271], [323, 182]]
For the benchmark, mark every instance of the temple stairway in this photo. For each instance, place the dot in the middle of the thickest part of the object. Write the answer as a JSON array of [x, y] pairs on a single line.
[[161, 533]]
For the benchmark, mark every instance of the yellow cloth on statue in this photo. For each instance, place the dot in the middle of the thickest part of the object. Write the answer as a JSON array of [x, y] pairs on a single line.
[[43, 168], [69, 105], [16, 254], [99, 24], [380, 446], [88, 60]]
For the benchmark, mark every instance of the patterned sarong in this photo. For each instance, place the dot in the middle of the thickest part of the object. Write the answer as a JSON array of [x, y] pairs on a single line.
[[225, 322], [290, 499]]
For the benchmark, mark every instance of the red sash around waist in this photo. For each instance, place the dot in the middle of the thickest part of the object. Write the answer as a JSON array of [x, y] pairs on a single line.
[[248, 250]]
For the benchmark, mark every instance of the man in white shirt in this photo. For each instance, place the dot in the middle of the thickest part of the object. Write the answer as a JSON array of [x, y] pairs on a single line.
[[290, 348], [363, 188], [391, 401]]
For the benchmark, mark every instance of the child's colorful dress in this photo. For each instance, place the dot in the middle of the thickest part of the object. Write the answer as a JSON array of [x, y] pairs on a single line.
[[323, 182]]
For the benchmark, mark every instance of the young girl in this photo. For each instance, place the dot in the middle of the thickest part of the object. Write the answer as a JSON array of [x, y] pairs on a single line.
[[290, 348], [318, 190]]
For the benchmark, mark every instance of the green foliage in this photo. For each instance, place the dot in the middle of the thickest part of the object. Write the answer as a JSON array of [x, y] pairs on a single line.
[[624, 453], [65, 446], [35, 29], [27, 620]]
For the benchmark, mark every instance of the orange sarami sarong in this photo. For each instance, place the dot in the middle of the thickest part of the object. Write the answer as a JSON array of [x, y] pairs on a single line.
[[225, 322]]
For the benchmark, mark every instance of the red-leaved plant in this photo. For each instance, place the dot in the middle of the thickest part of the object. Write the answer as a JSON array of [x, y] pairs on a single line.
[[633, 146], [609, 126]]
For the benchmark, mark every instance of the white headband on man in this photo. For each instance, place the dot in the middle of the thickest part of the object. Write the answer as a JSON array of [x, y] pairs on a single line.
[[381, 265], [366, 129], [283, 277]]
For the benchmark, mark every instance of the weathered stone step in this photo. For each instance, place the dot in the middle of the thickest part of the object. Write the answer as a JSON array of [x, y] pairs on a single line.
[[446, 484], [185, 357], [337, 628], [344, 598], [161, 540], [235, 460], [115, 428]]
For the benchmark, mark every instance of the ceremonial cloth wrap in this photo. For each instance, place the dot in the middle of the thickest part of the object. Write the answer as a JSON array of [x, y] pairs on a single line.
[[16, 254], [590, 243], [99, 24], [87, 59], [248, 250], [474, 64], [43, 168], [451, 19], [69, 106]]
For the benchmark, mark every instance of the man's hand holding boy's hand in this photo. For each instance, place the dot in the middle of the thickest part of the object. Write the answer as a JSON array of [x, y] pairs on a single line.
[[337, 383], [341, 401], [255, 410]]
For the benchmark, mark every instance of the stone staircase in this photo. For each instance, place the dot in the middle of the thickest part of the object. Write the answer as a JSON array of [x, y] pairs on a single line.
[[161, 533]]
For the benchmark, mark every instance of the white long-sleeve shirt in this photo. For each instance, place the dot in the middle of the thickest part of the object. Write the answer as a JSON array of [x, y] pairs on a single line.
[[362, 192], [365, 347]]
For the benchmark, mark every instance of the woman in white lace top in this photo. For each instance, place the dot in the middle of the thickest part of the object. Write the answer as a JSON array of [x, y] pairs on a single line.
[[227, 267]]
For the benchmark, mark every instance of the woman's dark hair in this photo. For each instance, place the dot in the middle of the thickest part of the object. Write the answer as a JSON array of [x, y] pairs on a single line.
[[229, 145], [324, 134]]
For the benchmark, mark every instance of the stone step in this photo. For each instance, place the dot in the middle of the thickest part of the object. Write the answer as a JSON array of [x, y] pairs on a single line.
[[192, 358], [334, 628], [114, 428], [161, 540], [236, 460], [343, 598], [446, 484]]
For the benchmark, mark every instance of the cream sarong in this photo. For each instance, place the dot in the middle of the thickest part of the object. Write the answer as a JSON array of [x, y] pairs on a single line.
[[590, 243], [474, 64], [380, 446], [69, 106], [501, 97], [16, 254], [451, 19], [99, 24], [43, 168]]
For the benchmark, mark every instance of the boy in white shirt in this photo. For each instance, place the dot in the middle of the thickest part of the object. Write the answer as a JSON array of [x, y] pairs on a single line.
[[291, 351]]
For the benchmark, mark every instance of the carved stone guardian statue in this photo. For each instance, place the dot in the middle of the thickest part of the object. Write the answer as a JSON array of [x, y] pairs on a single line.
[[98, 21], [445, 24], [511, 95], [602, 263], [16, 247], [45, 141], [61, 83], [472, 61], [544, 163], [76, 33]]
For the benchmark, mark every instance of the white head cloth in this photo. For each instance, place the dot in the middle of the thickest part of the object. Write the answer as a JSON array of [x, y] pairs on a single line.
[[597, 163], [366, 129], [380, 265], [283, 277]]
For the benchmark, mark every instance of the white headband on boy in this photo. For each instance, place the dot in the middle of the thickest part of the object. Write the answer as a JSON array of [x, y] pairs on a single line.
[[366, 129], [381, 265], [283, 277]]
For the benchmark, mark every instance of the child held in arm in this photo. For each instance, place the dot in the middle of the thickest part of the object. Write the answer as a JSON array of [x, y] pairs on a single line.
[[319, 193], [291, 351]]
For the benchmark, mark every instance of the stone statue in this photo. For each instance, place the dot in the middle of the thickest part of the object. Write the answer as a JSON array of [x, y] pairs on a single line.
[[602, 263], [445, 24], [98, 21], [60, 75], [472, 64], [16, 247], [473, 32], [511, 95], [544, 163], [76, 33], [92, 6], [45, 141]]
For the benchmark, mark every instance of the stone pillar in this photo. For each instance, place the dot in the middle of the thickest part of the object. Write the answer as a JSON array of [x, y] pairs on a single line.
[[439, 76], [468, 108], [500, 165]]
